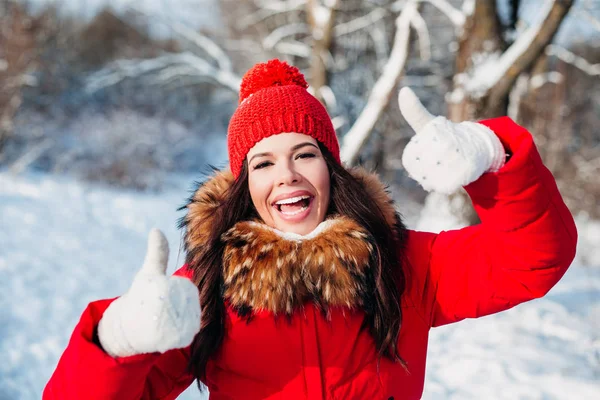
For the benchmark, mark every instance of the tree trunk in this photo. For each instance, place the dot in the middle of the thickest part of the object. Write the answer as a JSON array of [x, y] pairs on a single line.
[[321, 19], [481, 38]]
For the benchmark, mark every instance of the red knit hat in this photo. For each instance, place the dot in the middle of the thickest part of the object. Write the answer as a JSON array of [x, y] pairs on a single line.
[[273, 100]]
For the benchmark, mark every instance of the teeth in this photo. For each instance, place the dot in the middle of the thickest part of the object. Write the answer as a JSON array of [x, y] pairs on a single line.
[[292, 200], [294, 212]]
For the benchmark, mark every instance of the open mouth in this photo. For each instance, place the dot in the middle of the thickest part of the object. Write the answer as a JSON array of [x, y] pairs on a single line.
[[294, 205]]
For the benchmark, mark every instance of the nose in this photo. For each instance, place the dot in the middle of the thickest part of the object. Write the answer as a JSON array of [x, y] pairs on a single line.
[[288, 174]]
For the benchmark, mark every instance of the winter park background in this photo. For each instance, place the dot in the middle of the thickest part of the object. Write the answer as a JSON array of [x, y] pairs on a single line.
[[111, 109]]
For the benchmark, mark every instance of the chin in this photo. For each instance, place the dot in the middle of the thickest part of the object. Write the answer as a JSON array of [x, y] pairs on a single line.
[[305, 230], [299, 229]]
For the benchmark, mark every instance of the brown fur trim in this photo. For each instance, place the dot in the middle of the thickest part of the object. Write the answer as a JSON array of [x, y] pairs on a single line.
[[201, 208], [264, 271]]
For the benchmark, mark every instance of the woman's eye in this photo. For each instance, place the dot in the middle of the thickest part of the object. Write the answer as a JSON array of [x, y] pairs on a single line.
[[305, 155], [262, 165]]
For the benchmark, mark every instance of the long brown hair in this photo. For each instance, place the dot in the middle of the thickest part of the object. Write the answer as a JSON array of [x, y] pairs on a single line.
[[383, 315]]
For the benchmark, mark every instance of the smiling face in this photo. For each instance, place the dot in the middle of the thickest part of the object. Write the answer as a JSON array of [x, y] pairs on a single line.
[[289, 182]]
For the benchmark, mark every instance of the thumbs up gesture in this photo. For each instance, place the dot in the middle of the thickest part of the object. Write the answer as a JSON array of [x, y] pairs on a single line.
[[158, 313], [443, 155]]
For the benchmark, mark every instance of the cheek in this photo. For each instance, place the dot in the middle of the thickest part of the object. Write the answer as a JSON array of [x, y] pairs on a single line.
[[259, 192], [322, 183]]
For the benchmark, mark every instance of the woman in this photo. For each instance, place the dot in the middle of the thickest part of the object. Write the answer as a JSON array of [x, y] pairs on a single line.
[[309, 284]]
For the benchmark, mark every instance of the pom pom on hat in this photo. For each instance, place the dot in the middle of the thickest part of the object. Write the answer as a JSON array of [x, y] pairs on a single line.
[[274, 100], [271, 73]]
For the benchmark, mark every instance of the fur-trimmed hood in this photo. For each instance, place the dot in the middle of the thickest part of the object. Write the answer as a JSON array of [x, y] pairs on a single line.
[[265, 269]]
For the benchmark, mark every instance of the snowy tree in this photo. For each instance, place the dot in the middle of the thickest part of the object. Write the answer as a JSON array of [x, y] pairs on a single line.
[[16, 56], [490, 59], [492, 71]]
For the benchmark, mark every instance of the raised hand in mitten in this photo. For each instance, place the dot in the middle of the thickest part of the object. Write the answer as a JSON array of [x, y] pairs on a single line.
[[158, 313], [443, 155]]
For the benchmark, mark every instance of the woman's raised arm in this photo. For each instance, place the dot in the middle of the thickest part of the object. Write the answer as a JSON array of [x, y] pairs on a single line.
[[524, 244], [135, 346]]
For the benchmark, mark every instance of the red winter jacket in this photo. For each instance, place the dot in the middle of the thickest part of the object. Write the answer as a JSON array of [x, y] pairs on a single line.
[[523, 246]]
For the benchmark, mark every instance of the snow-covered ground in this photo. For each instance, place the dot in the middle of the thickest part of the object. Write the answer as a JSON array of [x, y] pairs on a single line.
[[64, 243]]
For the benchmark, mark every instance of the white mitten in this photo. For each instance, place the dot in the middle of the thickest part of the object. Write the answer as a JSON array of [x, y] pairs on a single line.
[[444, 156], [158, 313]]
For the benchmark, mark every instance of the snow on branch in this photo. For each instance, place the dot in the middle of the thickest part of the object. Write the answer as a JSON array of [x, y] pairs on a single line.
[[570, 58], [294, 48], [321, 19], [455, 16], [468, 8], [199, 40], [280, 6], [359, 23], [204, 43], [328, 97], [500, 74], [539, 80], [420, 26], [516, 94], [380, 44], [161, 69], [282, 32], [379, 97], [168, 67], [268, 9]]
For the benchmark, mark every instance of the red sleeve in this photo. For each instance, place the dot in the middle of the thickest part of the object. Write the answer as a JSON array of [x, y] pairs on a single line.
[[85, 371], [523, 246]]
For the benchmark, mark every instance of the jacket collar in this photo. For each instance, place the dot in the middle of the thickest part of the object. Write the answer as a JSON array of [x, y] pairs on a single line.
[[266, 269]]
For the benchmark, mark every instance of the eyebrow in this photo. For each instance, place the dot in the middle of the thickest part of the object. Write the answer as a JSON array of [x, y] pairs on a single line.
[[296, 147]]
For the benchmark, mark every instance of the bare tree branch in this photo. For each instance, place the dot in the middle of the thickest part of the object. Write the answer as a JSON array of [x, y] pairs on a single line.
[[360, 22], [570, 58], [355, 139], [282, 32], [120, 70]]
